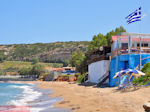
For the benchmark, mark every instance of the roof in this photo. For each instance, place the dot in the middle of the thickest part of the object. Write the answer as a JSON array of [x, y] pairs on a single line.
[[58, 69], [68, 67], [48, 68], [114, 38]]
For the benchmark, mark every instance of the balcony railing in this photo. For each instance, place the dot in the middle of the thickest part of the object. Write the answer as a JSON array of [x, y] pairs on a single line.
[[133, 50], [97, 58]]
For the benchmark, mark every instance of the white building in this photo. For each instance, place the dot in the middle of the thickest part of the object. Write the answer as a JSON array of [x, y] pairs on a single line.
[[99, 65]]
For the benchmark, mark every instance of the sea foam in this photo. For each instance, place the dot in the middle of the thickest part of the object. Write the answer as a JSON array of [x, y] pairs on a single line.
[[35, 98]]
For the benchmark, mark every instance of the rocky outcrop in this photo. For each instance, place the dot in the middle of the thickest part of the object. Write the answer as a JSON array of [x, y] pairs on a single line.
[[146, 106]]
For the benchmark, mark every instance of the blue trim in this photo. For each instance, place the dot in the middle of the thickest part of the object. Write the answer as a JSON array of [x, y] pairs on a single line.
[[118, 63]]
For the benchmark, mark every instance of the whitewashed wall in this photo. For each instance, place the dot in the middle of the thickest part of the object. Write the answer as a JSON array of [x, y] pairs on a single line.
[[97, 69]]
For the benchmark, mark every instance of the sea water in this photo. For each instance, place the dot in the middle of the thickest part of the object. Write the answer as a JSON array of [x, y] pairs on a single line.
[[19, 94]]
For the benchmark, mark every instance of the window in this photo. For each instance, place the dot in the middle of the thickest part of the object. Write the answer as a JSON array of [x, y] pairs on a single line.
[[145, 45], [124, 44], [142, 44]]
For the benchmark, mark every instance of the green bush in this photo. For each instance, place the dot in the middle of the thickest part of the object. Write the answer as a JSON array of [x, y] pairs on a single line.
[[35, 60], [143, 80], [146, 68], [78, 74], [63, 75], [2, 72], [25, 71], [81, 78], [37, 69]]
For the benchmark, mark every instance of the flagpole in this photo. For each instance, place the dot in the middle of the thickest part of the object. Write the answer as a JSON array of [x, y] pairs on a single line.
[[133, 17], [140, 44]]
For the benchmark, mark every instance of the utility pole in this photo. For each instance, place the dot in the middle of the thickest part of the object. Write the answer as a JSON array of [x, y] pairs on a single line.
[[129, 44]]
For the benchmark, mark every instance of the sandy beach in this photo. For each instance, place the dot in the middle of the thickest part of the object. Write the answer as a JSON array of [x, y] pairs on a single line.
[[80, 98], [89, 99]]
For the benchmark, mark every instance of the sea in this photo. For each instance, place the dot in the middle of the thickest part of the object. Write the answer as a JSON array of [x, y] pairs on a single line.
[[20, 95]]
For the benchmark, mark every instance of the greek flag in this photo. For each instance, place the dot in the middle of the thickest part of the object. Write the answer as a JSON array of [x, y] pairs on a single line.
[[135, 16]]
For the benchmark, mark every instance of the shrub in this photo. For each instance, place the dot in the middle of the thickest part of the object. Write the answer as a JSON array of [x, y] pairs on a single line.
[[146, 68], [37, 70], [2, 72], [81, 78], [143, 80], [25, 71], [64, 75], [35, 60], [78, 74]]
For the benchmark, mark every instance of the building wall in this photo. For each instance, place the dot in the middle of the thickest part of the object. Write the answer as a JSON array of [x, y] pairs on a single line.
[[122, 62], [97, 69]]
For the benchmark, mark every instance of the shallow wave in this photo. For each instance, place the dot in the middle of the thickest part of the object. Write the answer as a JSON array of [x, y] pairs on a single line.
[[28, 95], [36, 99]]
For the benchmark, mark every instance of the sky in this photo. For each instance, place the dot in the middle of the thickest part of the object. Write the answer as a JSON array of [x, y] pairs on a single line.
[[45, 21]]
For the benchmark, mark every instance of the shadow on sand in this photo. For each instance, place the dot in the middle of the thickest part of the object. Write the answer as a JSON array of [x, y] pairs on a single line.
[[125, 90], [89, 84], [114, 89]]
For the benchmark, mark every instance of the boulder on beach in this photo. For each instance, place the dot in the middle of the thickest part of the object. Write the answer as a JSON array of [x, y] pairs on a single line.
[[146, 106]]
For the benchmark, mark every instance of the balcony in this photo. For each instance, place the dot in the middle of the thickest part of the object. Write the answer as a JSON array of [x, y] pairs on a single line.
[[132, 50], [100, 54]]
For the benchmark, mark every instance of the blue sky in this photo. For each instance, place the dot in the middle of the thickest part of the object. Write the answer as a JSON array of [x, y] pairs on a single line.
[[32, 21]]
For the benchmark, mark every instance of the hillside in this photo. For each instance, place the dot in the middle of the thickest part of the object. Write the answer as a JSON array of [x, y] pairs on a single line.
[[12, 67], [46, 52]]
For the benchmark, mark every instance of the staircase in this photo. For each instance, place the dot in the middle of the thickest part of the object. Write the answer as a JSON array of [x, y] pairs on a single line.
[[103, 79]]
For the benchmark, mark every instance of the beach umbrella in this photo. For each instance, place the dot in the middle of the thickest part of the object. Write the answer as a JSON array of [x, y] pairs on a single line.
[[122, 72], [136, 72]]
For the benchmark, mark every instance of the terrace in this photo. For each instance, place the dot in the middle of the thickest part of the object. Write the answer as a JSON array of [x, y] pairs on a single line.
[[100, 54], [130, 44]]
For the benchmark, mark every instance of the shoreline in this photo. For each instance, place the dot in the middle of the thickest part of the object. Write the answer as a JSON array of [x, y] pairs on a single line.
[[89, 99], [39, 100], [44, 102]]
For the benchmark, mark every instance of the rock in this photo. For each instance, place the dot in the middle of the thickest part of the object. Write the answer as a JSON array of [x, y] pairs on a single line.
[[146, 106]]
